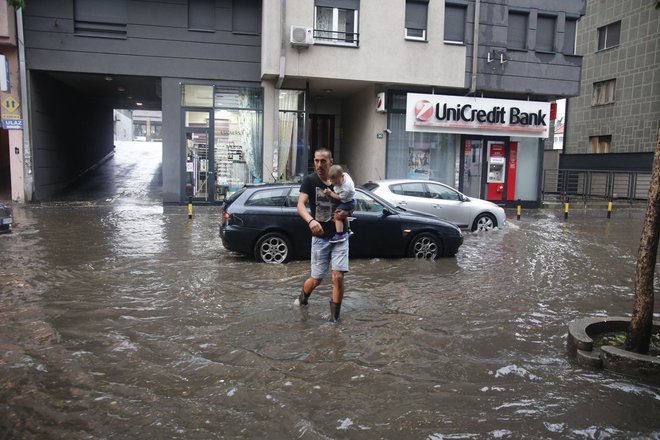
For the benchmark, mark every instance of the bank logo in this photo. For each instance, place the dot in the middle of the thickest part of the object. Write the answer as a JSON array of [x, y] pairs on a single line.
[[423, 110]]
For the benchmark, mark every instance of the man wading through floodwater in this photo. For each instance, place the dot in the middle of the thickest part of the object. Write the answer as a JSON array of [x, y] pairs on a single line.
[[322, 227]]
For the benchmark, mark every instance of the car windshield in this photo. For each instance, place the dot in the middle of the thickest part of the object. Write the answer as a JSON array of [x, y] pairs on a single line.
[[369, 202]]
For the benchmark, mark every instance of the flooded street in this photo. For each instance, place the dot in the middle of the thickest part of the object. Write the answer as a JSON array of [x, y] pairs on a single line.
[[124, 319]]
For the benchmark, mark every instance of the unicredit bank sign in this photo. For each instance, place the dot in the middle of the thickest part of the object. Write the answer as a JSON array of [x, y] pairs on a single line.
[[485, 116]]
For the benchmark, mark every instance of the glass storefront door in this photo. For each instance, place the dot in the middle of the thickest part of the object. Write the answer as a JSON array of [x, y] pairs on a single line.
[[199, 163], [472, 167]]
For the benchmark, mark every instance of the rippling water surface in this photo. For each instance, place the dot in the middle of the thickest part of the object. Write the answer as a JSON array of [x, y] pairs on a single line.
[[131, 321]]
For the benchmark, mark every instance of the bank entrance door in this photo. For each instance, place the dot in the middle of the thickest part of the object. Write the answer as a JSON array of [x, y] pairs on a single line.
[[198, 149], [472, 167]]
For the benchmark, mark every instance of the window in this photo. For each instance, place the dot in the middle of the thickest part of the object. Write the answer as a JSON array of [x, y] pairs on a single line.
[[442, 192], [608, 36], [291, 135], [570, 31], [201, 15], [601, 144], [545, 33], [268, 197], [455, 22], [415, 189], [246, 16], [336, 22], [416, 13], [100, 18], [517, 31], [603, 92]]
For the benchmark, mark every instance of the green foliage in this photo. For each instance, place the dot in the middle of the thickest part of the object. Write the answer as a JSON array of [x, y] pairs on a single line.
[[16, 3]]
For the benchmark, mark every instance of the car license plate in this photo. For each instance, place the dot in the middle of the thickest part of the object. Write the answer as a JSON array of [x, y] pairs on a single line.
[[5, 221]]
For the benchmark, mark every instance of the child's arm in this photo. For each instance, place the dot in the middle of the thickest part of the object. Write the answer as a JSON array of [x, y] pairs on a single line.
[[330, 193]]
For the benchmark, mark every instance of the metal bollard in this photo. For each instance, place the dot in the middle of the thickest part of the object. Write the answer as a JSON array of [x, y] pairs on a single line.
[[609, 209], [566, 209], [519, 209], [190, 207]]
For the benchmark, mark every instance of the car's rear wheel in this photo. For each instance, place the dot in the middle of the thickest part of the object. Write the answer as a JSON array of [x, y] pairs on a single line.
[[425, 246], [484, 222], [272, 248]]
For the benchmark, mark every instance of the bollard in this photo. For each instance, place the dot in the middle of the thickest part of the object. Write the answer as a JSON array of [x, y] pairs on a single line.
[[190, 207], [519, 209], [609, 209], [566, 209]]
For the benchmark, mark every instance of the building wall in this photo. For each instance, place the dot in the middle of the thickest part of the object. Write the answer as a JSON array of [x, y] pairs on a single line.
[[158, 43], [362, 147], [529, 71], [383, 54], [633, 119]]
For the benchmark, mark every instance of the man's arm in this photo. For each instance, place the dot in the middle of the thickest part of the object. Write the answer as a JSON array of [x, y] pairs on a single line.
[[301, 207]]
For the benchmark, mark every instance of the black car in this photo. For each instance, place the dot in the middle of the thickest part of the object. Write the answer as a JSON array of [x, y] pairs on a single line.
[[261, 221], [5, 218]]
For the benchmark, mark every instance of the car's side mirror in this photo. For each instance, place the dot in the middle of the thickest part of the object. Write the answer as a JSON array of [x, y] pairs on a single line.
[[387, 212], [465, 199]]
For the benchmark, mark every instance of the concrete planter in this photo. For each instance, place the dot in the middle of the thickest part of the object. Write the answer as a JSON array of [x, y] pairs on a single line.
[[581, 344]]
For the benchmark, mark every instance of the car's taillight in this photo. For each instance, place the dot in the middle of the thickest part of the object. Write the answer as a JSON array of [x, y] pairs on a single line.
[[226, 216]]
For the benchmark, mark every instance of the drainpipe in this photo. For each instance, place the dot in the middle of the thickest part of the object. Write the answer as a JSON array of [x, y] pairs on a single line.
[[276, 92], [475, 47]]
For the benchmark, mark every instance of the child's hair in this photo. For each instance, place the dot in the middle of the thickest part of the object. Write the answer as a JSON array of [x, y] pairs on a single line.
[[336, 171]]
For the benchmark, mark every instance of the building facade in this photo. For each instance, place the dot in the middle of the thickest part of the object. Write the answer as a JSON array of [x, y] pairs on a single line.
[[420, 89], [613, 124], [452, 90]]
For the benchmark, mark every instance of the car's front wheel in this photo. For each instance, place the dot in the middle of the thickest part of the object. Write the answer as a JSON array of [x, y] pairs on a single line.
[[426, 246], [484, 222], [273, 248]]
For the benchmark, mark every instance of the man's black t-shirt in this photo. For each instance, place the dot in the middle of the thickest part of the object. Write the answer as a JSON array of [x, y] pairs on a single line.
[[322, 206]]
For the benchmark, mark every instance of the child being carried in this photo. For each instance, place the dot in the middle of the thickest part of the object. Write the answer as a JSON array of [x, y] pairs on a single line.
[[344, 191]]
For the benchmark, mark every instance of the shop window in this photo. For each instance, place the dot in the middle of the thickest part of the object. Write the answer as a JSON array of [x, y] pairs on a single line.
[[455, 22], [545, 33], [608, 36], [100, 18], [291, 135], [336, 22], [601, 144], [517, 30], [201, 15], [246, 16], [570, 32], [528, 157], [603, 92], [416, 18]]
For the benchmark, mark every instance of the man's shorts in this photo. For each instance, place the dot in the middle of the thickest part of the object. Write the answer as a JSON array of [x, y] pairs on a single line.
[[324, 252]]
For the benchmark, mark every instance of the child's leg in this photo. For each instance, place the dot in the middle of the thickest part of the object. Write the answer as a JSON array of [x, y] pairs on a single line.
[[340, 217]]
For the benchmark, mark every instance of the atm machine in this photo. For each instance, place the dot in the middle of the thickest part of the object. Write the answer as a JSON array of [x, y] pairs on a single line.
[[496, 171]]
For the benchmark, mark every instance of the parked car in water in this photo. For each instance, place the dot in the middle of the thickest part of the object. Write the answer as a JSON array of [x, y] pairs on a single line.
[[261, 221], [5, 218], [440, 200]]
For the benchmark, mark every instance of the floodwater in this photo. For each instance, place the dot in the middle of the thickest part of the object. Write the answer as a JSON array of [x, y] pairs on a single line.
[[124, 319]]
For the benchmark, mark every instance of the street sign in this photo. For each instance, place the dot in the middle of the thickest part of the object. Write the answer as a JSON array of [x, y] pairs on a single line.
[[10, 104], [12, 124]]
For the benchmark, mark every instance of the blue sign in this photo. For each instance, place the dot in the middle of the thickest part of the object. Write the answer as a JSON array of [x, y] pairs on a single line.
[[12, 124]]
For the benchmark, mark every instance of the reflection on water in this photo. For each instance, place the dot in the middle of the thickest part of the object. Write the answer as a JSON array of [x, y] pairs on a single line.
[[123, 321]]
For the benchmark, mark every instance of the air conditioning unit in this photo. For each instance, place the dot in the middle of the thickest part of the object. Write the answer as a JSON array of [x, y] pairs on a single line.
[[302, 36]]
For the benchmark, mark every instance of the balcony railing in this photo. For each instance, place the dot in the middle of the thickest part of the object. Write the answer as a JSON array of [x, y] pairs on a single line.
[[338, 38]]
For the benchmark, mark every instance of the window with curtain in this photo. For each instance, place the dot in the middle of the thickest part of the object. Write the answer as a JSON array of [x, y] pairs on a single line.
[[608, 36], [603, 92], [455, 15], [201, 15], [100, 18], [601, 144], [336, 22], [291, 140], [517, 30], [570, 31], [246, 16], [416, 19], [545, 33]]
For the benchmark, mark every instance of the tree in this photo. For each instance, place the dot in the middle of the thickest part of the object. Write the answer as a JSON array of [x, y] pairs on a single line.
[[638, 338], [16, 3]]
